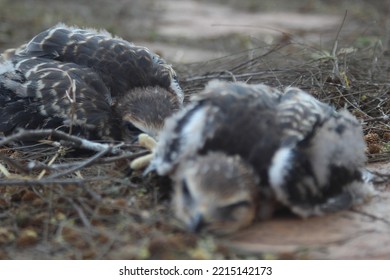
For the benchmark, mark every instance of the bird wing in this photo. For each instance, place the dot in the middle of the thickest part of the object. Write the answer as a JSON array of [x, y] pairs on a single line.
[[222, 118], [317, 169], [299, 114], [263, 95], [185, 133], [121, 64], [42, 93]]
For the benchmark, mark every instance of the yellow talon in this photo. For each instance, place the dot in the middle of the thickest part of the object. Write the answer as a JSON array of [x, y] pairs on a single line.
[[149, 143], [141, 162]]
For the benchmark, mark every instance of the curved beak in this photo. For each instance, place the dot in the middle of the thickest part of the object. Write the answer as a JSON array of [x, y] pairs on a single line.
[[197, 223]]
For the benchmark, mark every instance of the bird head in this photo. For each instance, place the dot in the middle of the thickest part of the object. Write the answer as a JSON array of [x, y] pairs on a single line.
[[215, 193], [146, 108]]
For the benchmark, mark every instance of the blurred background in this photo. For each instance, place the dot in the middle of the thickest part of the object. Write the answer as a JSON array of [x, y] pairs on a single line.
[[197, 30]]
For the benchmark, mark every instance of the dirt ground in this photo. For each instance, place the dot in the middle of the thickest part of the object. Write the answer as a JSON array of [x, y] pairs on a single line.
[[361, 233], [105, 212]]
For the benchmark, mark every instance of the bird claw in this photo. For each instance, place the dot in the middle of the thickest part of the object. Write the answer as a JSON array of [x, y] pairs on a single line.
[[141, 162], [149, 143]]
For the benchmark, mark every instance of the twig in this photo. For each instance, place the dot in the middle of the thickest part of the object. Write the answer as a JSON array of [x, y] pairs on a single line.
[[81, 214], [123, 156], [382, 118], [93, 194], [244, 64], [81, 164], [36, 165], [336, 70], [372, 216], [379, 177], [15, 164], [4, 171], [222, 75], [43, 172], [379, 157], [231, 75], [49, 181], [76, 142]]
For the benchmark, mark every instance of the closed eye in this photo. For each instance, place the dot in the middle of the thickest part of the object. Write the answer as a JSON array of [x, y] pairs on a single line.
[[132, 128], [227, 212]]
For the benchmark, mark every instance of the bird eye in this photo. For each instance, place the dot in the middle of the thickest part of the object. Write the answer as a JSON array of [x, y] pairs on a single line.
[[132, 128], [228, 212]]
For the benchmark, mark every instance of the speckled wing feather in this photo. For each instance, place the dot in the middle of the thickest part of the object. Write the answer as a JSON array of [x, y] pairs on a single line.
[[264, 95], [42, 93], [121, 65], [83, 81], [317, 169], [224, 118], [299, 114]]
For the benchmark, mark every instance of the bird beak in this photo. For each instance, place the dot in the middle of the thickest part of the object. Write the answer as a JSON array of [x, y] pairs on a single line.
[[197, 223]]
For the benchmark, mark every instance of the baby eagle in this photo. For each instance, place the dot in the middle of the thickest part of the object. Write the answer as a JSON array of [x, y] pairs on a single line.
[[88, 83], [237, 149]]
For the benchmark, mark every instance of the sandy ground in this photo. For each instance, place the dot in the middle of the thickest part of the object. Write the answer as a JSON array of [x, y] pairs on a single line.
[[191, 20], [361, 233]]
